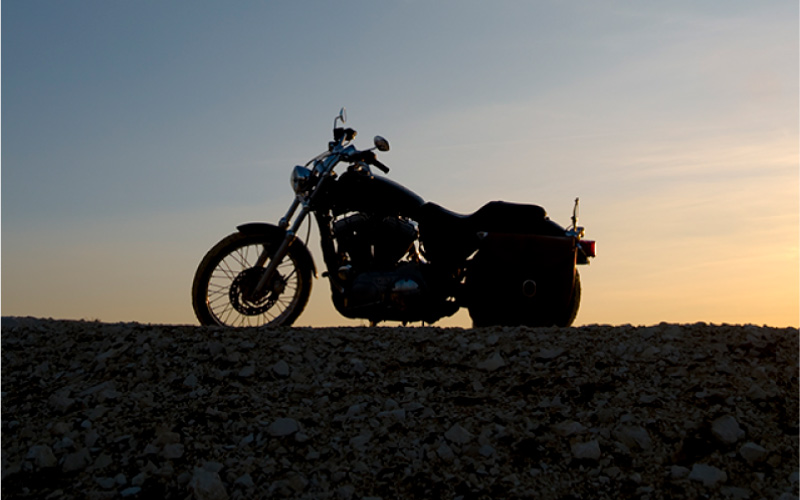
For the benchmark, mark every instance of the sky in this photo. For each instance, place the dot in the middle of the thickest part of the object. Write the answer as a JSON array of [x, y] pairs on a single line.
[[135, 135]]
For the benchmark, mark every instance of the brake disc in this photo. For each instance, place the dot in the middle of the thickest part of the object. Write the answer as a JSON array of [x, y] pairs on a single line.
[[241, 295]]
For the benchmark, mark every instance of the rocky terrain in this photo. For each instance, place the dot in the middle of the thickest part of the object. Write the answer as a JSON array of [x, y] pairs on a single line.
[[93, 410]]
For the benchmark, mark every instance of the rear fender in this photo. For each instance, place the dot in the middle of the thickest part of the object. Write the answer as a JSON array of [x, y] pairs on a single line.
[[278, 234]]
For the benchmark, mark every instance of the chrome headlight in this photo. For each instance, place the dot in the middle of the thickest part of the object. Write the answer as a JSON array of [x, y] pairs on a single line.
[[300, 180]]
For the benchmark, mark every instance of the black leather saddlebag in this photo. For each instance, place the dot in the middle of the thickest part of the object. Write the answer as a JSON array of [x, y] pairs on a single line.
[[519, 279]]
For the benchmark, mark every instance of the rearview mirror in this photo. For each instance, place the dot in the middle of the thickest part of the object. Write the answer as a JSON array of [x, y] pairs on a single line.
[[342, 117], [381, 143]]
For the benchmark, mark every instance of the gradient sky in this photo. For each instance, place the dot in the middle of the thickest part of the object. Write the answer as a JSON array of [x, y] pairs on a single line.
[[135, 135]]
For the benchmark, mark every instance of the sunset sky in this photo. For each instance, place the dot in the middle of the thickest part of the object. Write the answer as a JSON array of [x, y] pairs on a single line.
[[135, 135]]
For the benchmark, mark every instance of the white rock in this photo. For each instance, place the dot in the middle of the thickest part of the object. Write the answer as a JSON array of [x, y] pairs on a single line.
[[494, 362], [128, 492], [173, 451], [76, 461], [245, 481], [360, 442], [708, 475], [634, 436], [105, 482], [42, 456], [458, 434], [734, 493], [678, 472], [283, 427], [586, 451], [190, 381], [550, 353], [568, 428], [281, 368], [726, 430], [752, 453], [207, 485], [445, 452]]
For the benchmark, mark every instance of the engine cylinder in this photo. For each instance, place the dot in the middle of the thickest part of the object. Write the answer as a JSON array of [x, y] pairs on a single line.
[[374, 241]]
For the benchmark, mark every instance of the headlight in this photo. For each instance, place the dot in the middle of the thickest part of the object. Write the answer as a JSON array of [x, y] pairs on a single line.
[[300, 179]]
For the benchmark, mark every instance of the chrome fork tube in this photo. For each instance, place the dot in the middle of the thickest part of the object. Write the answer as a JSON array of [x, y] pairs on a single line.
[[284, 223], [280, 253]]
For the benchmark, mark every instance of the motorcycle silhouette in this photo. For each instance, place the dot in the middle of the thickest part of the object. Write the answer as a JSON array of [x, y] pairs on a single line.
[[392, 256]]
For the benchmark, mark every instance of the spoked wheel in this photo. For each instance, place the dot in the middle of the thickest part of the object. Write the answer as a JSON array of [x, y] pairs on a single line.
[[223, 292]]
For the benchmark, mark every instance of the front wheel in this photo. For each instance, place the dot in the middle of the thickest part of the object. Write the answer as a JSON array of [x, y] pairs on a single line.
[[222, 292]]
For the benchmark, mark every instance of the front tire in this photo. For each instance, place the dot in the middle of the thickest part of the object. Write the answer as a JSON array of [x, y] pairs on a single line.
[[220, 291]]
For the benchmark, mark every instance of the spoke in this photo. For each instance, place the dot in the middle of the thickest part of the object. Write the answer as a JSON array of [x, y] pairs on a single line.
[[229, 269]]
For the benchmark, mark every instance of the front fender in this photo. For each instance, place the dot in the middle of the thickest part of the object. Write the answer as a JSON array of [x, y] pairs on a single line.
[[278, 234]]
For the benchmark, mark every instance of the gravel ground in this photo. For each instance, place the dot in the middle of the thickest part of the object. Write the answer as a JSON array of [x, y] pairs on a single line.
[[94, 410]]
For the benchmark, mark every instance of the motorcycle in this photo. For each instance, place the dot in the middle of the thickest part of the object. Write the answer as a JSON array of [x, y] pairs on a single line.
[[392, 256]]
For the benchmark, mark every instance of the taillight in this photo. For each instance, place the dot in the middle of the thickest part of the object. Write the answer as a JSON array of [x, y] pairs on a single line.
[[588, 247]]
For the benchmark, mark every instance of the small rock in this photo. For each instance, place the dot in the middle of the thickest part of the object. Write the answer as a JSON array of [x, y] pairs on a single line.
[[726, 430], [486, 450], [445, 452], [548, 354], [173, 451], [283, 427], [129, 492], [247, 371], [458, 434], [494, 362], [708, 475], [678, 472], [756, 393], [207, 485], [42, 456], [568, 428], [752, 453], [213, 466], [346, 492], [734, 493], [281, 368], [360, 442], [248, 439], [105, 482], [77, 461], [586, 451], [60, 403], [245, 481], [190, 381], [634, 436]]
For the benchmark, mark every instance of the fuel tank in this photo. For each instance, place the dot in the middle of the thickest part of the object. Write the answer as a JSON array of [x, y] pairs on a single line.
[[360, 191]]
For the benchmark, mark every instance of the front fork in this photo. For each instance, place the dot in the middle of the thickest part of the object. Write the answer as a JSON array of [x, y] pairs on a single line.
[[283, 249]]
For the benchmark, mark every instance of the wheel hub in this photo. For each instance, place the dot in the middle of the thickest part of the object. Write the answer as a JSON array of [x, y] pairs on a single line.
[[242, 292]]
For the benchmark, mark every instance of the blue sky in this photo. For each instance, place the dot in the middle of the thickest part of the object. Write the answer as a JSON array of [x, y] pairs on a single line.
[[137, 134]]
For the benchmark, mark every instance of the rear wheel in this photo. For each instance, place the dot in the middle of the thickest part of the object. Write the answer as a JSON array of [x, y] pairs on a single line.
[[223, 288]]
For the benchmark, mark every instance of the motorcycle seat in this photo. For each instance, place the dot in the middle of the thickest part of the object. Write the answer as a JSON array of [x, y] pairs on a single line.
[[495, 216], [450, 234]]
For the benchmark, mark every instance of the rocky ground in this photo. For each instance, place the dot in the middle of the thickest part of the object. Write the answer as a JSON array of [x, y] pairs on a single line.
[[93, 410]]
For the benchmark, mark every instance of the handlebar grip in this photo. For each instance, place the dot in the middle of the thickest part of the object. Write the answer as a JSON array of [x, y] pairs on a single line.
[[383, 168]]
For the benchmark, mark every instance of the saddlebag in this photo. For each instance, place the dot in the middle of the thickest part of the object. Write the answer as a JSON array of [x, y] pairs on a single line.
[[521, 279]]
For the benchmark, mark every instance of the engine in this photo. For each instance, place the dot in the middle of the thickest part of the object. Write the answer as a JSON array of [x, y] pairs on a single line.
[[374, 242], [377, 281]]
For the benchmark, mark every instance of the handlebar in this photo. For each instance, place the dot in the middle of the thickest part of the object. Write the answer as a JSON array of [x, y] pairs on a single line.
[[380, 166], [369, 158], [342, 136]]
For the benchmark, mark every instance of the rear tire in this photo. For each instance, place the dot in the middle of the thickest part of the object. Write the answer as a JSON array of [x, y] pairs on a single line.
[[219, 290]]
